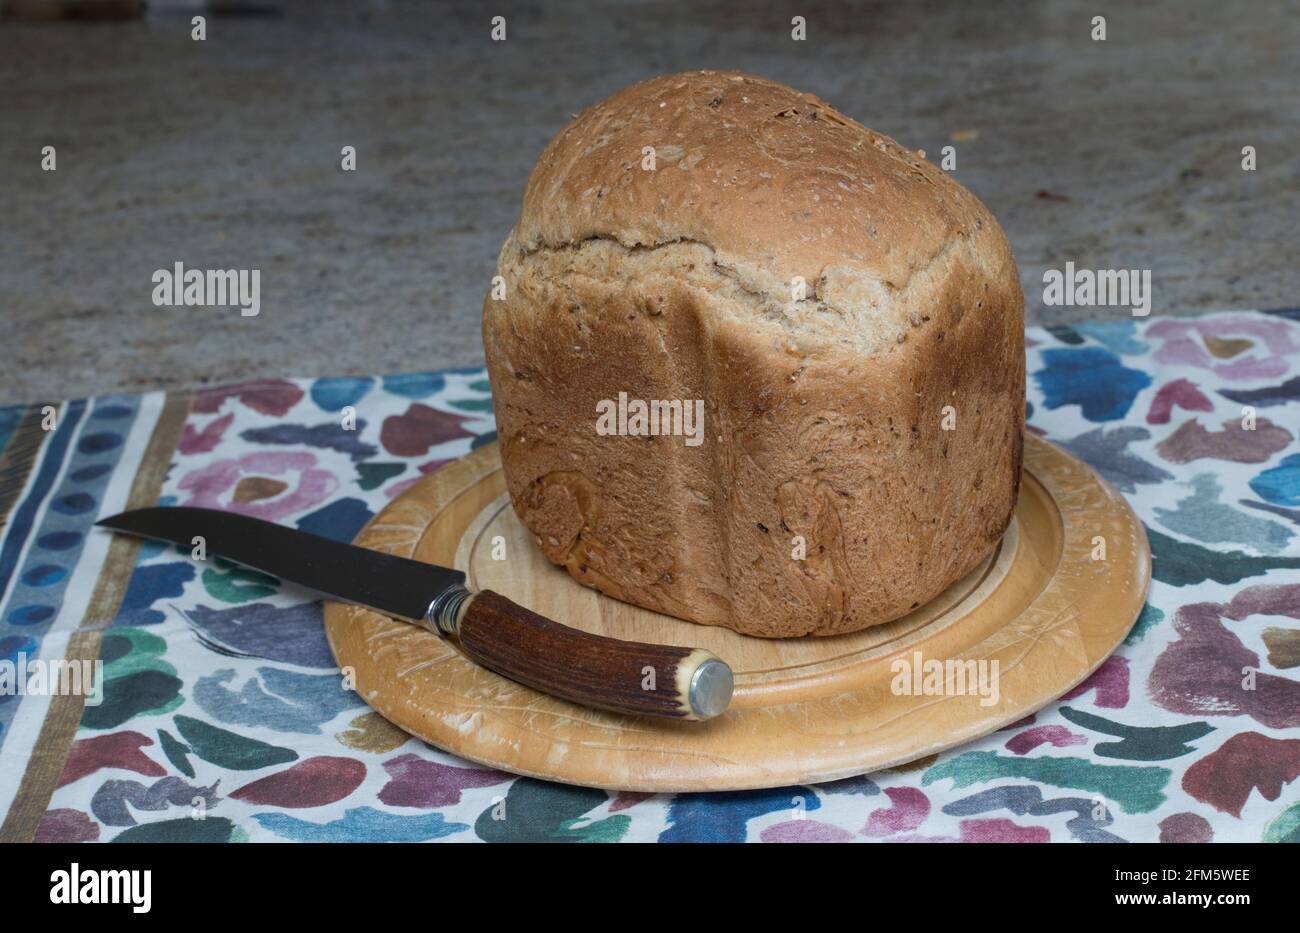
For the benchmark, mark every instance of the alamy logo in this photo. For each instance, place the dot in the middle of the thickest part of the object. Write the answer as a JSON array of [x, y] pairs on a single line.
[[917, 676], [640, 418], [179, 287], [60, 677], [1115, 288], [104, 886]]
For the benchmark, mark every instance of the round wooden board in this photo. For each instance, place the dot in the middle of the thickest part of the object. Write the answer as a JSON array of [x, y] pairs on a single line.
[[805, 710]]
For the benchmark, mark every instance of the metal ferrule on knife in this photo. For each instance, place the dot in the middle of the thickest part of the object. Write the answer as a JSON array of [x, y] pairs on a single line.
[[443, 614]]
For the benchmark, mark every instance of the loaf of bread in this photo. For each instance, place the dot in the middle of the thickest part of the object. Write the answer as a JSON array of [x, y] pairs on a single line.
[[845, 316]]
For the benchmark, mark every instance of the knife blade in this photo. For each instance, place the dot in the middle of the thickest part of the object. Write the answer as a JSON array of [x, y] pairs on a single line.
[[634, 678]]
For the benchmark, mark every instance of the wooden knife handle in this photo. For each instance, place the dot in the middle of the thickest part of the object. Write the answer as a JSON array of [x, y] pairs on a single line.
[[593, 670]]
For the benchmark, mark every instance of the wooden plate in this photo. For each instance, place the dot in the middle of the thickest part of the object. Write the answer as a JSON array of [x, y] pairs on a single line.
[[805, 709]]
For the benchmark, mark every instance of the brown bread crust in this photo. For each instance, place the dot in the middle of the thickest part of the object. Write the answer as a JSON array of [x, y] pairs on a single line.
[[823, 416]]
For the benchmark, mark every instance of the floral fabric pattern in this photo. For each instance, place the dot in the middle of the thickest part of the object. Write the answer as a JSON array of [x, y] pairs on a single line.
[[221, 698]]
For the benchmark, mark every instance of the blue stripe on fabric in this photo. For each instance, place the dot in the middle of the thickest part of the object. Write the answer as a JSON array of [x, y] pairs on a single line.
[[38, 591], [20, 526]]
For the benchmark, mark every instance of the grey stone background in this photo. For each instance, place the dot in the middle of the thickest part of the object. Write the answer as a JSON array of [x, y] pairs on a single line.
[[225, 154]]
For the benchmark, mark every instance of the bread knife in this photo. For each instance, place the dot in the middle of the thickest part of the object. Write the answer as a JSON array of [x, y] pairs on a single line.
[[592, 670]]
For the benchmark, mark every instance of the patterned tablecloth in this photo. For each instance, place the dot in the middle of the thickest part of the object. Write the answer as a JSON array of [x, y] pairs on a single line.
[[221, 699]]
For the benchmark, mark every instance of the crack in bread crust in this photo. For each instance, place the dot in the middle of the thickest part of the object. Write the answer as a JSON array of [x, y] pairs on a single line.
[[804, 321]]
